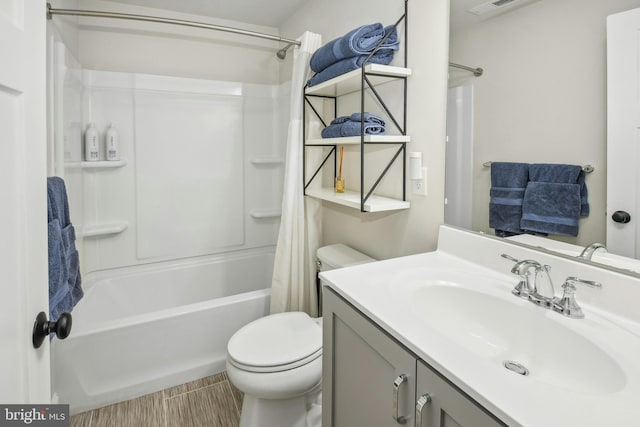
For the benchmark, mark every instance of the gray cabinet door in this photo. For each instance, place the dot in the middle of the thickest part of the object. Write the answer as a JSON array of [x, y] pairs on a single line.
[[362, 367], [447, 407]]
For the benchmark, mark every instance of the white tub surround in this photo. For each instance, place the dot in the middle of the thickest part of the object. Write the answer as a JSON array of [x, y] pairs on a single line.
[[142, 329], [453, 308]]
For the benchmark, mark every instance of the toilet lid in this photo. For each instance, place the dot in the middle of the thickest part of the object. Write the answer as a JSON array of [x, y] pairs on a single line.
[[276, 341]]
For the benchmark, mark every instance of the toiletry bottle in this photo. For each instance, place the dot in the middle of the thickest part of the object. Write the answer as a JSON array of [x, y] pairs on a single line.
[[112, 149], [91, 147]]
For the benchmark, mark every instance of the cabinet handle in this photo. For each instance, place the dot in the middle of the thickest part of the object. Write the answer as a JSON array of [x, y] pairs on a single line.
[[423, 400], [400, 379]]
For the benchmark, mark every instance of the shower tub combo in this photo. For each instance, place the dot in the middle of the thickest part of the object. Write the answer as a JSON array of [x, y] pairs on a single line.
[[145, 328]]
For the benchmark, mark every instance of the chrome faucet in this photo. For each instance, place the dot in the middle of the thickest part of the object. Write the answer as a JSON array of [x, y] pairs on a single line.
[[528, 288], [588, 251]]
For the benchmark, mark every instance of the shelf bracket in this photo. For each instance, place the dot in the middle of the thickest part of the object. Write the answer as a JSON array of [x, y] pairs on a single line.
[[332, 151], [384, 172]]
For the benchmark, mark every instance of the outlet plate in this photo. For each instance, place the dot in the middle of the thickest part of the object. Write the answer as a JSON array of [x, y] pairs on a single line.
[[419, 186]]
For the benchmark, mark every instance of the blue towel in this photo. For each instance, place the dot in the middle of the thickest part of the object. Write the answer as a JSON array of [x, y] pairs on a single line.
[[551, 207], [65, 288], [560, 173], [508, 182], [351, 126], [59, 293], [361, 41], [344, 66], [555, 198], [357, 117]]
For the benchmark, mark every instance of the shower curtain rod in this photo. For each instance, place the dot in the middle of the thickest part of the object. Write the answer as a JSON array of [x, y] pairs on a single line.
[[93, 13], [476, 71]]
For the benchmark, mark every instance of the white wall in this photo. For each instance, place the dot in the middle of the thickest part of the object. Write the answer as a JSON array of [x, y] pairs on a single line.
[[389, 234], [142, 47], [543, 95]]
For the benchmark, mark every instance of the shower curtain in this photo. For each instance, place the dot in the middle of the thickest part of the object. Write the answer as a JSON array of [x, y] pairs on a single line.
[[293, 285]]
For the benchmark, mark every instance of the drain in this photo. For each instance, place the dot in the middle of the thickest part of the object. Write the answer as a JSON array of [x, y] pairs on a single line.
[[515, 367]]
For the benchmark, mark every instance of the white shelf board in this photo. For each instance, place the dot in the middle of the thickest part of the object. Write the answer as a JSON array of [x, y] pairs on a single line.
[[105, 229], [350, 82], [352, 140], [352, 199]]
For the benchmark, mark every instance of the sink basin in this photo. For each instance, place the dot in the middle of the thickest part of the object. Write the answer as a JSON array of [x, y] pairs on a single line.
[[501, 329]]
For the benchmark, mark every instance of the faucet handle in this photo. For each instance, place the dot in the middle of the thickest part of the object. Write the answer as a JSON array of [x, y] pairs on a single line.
[[576, 280], [567, 305], [509, 257]]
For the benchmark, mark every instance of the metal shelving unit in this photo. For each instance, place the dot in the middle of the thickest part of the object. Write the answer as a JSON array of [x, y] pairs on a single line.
[[366, 78]]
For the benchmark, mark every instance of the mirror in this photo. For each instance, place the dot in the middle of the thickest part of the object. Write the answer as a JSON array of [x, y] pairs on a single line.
[[541, 99]]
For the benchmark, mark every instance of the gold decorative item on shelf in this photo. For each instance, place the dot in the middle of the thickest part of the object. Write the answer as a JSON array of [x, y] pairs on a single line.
[[340, 178]]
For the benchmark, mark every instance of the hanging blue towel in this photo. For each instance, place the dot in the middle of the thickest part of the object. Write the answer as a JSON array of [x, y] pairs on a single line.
[[360, 41], [508, 182], [555, 198], [65, 288], [351, 126], [349, 64]]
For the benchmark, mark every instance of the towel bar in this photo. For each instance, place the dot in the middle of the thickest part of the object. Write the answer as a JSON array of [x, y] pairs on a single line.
[[585, 168]]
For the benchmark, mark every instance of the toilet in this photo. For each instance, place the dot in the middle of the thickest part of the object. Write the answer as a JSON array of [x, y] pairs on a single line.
[[276, 361]]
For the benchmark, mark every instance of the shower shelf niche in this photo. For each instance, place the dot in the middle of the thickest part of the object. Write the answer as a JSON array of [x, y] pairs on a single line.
[[100, 164], [105, 229], [267, 161], [265, 213]]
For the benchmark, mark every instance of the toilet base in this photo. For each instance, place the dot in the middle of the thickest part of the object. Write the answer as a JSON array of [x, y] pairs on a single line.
[[294, 412]]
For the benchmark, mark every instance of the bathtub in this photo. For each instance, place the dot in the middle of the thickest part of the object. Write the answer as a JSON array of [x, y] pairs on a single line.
[[145, 328]]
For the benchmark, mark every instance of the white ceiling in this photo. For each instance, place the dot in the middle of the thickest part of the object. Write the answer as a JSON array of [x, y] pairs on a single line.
[[273, 13]]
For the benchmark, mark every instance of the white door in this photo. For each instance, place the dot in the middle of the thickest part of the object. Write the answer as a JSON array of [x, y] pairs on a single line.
[[623, 132], [24, 371]]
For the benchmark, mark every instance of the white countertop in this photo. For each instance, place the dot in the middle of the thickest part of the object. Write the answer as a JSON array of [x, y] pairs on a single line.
[[563, 388]]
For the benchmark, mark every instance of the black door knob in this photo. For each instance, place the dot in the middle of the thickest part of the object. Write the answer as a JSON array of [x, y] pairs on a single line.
[[621, 216], [42, 328]]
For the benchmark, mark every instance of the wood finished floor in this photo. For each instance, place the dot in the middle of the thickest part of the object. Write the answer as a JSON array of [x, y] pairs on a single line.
[[211, 401]]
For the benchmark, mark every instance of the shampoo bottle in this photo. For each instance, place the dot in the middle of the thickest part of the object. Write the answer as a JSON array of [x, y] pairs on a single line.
[[113, 152], [91, 147]]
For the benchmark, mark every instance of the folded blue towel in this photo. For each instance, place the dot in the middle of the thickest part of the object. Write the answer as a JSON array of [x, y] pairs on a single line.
[[560, 173], [65, 288], [360, 41], [351, 126], [349, 64], [508, 182], [551, 207], [357, 117], [555, 198]]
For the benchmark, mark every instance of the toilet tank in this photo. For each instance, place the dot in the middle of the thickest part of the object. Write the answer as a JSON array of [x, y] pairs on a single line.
[[338, 256]]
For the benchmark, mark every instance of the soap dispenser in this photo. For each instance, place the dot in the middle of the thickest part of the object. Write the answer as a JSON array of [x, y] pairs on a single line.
[[112, 149], [91, 147]]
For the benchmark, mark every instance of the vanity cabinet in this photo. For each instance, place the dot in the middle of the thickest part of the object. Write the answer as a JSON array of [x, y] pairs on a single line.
[[440, 404], [370, 379]]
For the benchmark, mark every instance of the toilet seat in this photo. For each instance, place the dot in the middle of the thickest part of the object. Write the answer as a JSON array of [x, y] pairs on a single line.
[[276, 343]]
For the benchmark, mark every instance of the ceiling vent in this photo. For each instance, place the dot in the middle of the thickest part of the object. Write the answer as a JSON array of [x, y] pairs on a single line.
[[492, 6]]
